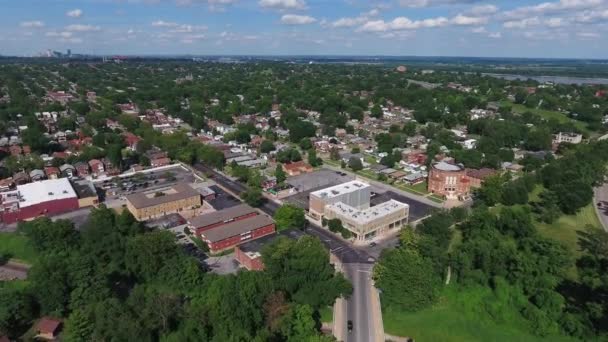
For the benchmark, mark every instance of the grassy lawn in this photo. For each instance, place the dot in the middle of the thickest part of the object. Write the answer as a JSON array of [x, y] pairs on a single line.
[[326, 314], [566, 228], [17, 246], [436, 199], [459, 316], [419, 189], [548, 115]]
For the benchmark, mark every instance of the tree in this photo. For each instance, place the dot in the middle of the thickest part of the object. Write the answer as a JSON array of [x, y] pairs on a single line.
[[48, 236], [334, 154], [573, 195], [267, 146], [280, 174], [289, 216], [376, 111], [16, 312], [313, 160], [355, 164], [313, 282], [253, 197], [408, 281], [305, 144]]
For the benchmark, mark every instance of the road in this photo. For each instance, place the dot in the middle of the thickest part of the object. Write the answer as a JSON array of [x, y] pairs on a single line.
[[601, 196], [357, 264]]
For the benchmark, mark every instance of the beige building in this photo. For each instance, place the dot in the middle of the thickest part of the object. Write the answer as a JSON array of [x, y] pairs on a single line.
[[355, 194], [145, 206], [350, 203], [372, 222]]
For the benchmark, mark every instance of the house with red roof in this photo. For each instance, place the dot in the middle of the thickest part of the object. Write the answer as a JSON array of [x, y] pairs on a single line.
[[131, 140], [97, 167], [297, 168], [52, 172], [48, 328]]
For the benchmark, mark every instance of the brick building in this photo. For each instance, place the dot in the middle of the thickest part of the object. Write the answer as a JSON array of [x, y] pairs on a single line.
[[297, 168], [448, 180], [476, 177], [234, 233], [209, 221], [249, 254], [46, 197]]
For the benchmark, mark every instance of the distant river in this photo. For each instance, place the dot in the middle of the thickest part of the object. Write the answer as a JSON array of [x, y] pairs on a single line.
[[553, 79]]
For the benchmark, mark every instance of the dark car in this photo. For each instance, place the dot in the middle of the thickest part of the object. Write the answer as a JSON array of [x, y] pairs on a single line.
[[349, 325], [373, 244]]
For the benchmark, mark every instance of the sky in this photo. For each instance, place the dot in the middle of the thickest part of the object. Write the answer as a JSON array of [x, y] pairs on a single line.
[[484, 28]]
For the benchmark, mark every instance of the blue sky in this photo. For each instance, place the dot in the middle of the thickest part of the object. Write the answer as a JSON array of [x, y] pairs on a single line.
[[515, 28]]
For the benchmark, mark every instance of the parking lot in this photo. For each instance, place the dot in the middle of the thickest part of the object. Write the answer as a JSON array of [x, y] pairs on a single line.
[[418, 210], [318, 180], [222, 199]]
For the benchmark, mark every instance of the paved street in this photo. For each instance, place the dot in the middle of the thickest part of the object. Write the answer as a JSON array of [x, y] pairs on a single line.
[[601, 196], [359, 305]]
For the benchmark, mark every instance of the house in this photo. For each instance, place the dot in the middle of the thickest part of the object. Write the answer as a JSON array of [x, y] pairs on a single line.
[[52, 172], [397, 175], [36, 175], [476, 177], [207, 193], [6, 184], [97, 167], [158, 157], [67, 170], [414, 178], [15, 150], [297, 168], [110, 168], [131, 140], [571, 138], [21, 178], [82, 169], [48, 328]]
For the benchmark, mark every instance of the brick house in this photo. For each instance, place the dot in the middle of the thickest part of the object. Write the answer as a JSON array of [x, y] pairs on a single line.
[[297, 168]]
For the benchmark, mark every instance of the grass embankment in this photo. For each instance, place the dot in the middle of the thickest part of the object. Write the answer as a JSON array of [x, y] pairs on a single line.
[[548, 115], [326, 314], [18, 247], [461, 315], [567, 228]]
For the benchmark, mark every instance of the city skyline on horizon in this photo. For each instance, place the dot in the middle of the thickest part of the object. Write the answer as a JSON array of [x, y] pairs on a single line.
[[401, 28]]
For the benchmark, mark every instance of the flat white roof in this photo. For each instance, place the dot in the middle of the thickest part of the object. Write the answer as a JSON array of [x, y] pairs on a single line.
[[45, 191], [370, 214], [340, 189]]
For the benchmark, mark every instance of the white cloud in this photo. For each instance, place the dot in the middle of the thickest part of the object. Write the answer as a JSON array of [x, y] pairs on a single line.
[[430, 3], [495, 35], [591, 16], [588, 35], [464, 20], [63, 34], [483, 10], [32, 24], [187, 28], [480, 29], [82, 28], [350, 22], [283, 4], [555, 22], [294, 19], [551, 7], [75, 13], [162, 23], [403, 23], [522, 24]]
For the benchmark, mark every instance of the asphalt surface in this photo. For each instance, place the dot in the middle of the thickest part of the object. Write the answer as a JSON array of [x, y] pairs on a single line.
[[418, 209], [358, 306], [601, 196]]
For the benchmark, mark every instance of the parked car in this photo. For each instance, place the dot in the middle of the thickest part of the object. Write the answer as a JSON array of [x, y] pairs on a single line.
[[349, 325]]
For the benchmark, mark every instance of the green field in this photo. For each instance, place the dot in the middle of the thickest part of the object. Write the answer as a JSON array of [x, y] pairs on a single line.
[[326, 314], [566, 228], [548, 115], [17, 247], [460, 316]]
